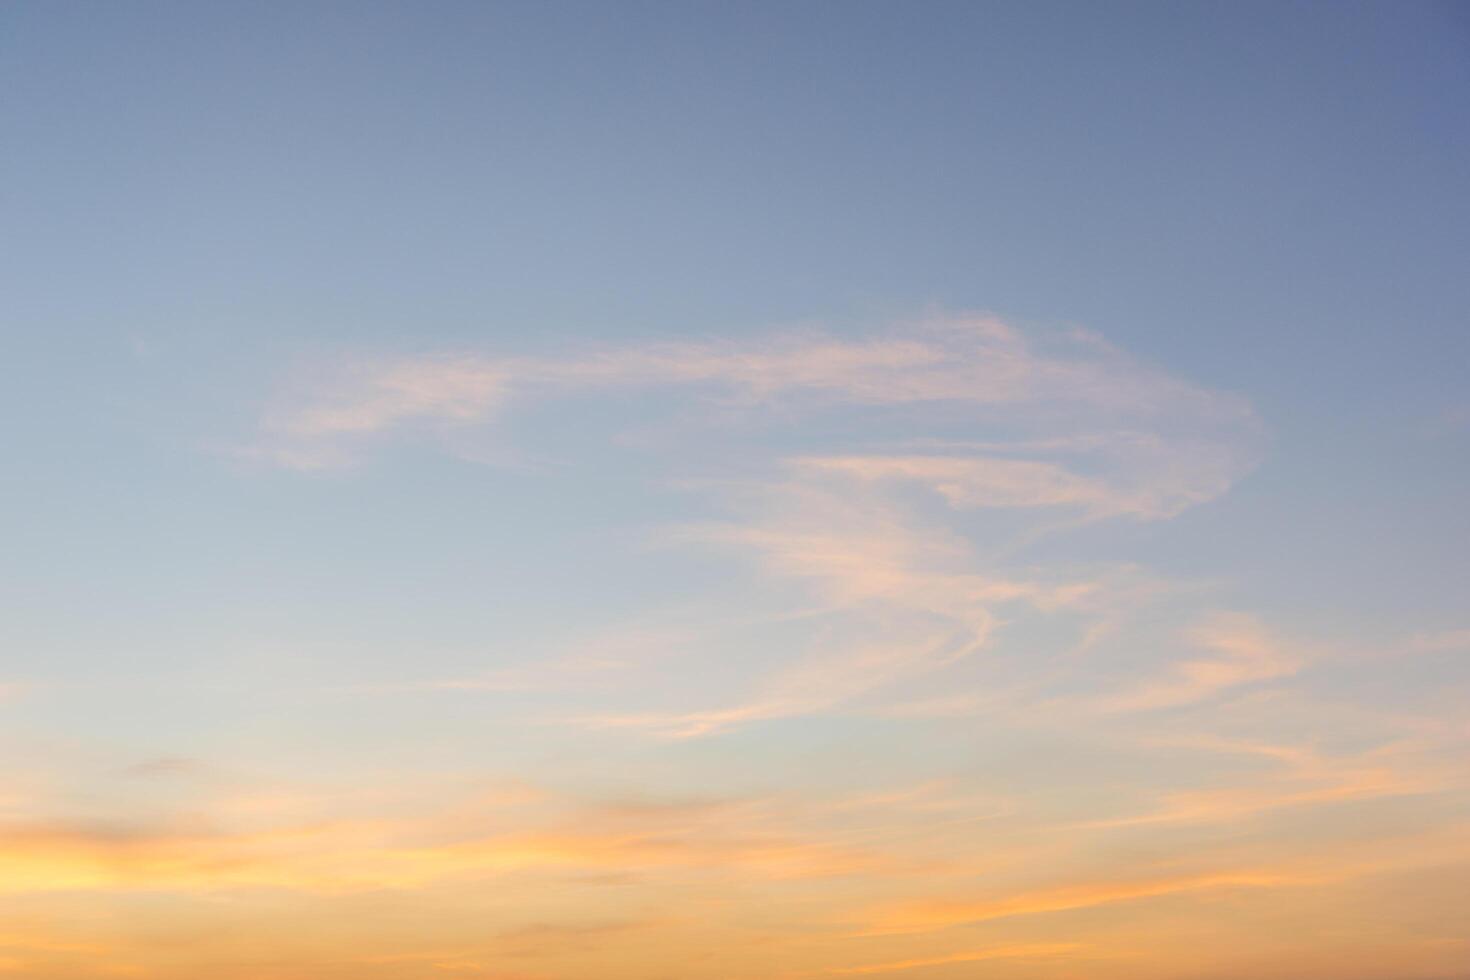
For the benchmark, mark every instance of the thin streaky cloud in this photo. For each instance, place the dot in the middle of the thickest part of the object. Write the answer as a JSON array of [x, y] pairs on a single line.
[[1026, 951], [1244, 653], [968, 360]]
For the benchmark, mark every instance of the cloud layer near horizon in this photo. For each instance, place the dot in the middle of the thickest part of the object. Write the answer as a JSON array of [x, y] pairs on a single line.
[[928, 717]]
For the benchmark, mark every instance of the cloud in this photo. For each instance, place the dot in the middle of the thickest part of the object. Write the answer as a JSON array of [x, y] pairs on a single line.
[[537, 834], [1322, 864], [1019, 951], [367, 397], [1046, 428], [1245, 654], [1304, 778], [896, 601], [1005, 377], [167, 765], [933, 915], [1147, 485], [1446, 641]]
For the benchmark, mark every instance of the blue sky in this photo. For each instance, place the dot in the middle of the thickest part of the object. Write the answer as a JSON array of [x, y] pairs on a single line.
[[378, 370]]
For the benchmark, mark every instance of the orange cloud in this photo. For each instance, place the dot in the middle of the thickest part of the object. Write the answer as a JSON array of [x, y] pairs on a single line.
[[1023, 951], [928, 916]]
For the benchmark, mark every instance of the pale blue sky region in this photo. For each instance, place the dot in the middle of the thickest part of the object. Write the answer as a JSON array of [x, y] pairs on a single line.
[[1267, 198]]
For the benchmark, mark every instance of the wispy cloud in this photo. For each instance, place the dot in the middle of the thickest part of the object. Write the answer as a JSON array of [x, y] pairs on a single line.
[[928, 916], [1303, 777], [896, 600], [1056, 425], [1008, 379], [1321, 867], [1446, 641], [1020, 951], [525, 832], [1244, 653]]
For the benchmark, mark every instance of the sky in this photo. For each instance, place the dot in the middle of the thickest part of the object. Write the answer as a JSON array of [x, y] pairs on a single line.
[[543, 491]]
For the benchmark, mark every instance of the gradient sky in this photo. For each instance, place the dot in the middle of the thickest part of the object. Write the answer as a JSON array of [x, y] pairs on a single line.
[[676, 490]]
